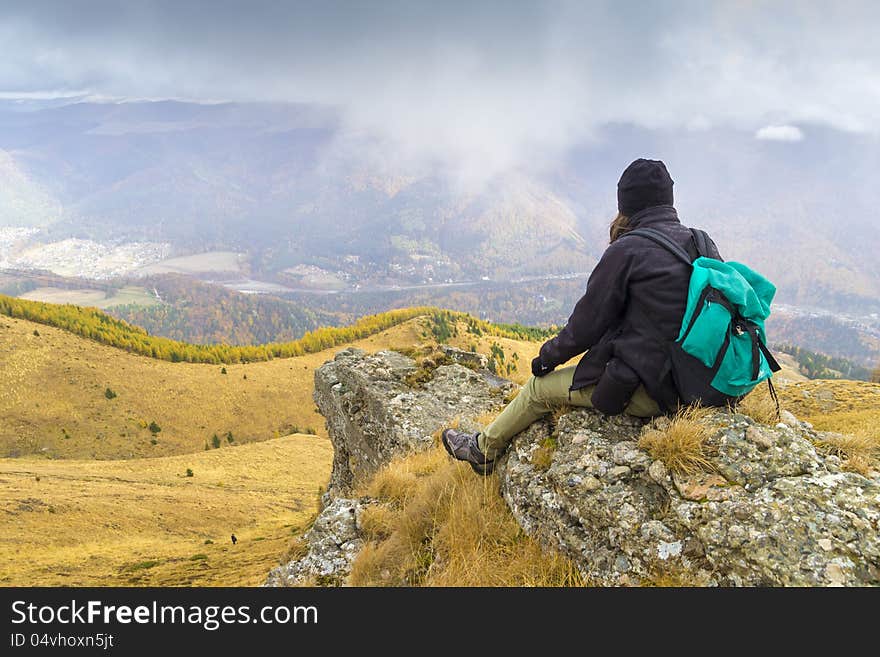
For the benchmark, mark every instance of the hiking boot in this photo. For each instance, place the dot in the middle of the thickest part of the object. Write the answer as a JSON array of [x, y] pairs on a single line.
[[464, 447]]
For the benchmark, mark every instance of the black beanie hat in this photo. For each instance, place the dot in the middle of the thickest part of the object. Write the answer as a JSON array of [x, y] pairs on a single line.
[[644, 183]]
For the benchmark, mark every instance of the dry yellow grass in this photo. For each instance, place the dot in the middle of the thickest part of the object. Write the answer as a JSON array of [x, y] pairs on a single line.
[[377, 521], [525, 351], [848, 408], [441, 525], [144, 522], [860, 451], [679, 441], [830, 399], [486, 418], [759, 405], [52, 396]]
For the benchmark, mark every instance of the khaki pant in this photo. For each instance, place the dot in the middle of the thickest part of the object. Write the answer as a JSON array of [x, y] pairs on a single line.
[[539, 396]]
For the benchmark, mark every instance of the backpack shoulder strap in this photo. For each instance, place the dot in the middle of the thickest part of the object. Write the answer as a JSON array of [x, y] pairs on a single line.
[[661, 239], [701, 241]]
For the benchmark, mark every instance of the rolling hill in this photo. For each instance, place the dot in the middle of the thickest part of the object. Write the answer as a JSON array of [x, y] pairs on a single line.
[[53, 387]]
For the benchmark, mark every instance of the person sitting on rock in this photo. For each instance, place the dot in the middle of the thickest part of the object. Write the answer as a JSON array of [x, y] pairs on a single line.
[[634, 302]]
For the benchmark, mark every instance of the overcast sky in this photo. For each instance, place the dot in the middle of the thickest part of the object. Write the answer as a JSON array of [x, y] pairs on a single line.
[[485, 84]]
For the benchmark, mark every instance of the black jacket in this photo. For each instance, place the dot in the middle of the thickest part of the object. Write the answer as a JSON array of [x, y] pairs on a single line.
[[634, 302]]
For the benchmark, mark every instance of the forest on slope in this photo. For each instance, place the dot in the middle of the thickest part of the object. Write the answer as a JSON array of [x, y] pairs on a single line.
[[201, 313]]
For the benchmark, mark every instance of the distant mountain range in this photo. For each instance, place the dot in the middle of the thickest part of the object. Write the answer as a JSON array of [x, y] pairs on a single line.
[[287, 185]]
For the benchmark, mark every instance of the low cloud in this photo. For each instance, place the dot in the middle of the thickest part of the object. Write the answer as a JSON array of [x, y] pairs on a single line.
[[780, 133], [479, 86]]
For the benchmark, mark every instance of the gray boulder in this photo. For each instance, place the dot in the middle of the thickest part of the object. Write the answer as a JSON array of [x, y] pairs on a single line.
[[773, 512], [373, 413], [333, 542]]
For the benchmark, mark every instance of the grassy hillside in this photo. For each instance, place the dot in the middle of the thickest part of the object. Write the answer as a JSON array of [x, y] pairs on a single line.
[[145, 522], [849, 407], [53, 396], [101, 327]]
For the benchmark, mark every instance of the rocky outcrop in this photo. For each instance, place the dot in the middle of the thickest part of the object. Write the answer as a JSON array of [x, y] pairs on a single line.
[[769, 510], [374, 411], [333, 542]]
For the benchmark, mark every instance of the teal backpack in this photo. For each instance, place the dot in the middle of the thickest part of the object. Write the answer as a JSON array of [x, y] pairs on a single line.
[[720, 354]]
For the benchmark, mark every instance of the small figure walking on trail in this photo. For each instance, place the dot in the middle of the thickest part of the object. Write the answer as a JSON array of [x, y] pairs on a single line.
[[234, 540]]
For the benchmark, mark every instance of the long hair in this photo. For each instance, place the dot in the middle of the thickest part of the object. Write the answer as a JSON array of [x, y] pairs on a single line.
[[619, 226]]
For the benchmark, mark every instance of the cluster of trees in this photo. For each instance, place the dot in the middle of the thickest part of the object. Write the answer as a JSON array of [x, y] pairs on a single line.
[[209, 314], [821, 366], [497, 362], [444, 325]]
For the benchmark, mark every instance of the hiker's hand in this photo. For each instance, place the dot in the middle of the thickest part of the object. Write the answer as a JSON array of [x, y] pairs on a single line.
[[538, 368]]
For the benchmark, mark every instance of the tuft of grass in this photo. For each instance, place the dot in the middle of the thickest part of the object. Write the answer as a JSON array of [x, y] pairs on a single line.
[[141, 565], [427, 362], [486, 418], [377, 521], [557, 413], [444, 526], [396, 482], [542, 457], [759, 405], [679, 441], [860, 453], [297, 549]]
